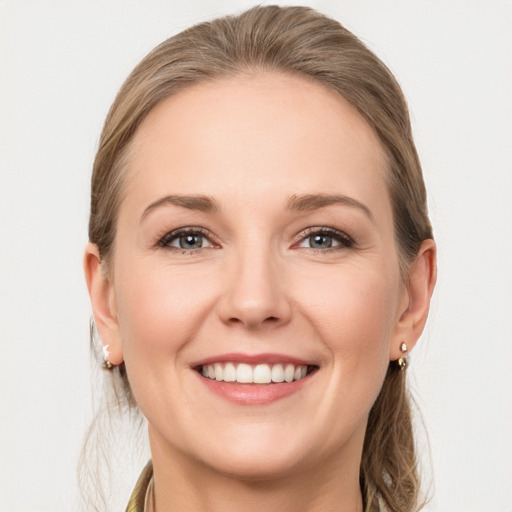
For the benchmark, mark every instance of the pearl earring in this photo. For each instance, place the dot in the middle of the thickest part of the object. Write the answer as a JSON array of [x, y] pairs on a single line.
[[106, 363]]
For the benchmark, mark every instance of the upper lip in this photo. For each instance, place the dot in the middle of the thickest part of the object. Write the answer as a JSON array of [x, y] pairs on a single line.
[[264, 358]]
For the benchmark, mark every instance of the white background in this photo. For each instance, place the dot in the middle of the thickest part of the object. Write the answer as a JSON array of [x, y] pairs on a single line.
[[60, 66]]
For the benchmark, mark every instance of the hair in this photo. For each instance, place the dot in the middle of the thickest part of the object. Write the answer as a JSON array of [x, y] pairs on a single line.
[[301, 42]]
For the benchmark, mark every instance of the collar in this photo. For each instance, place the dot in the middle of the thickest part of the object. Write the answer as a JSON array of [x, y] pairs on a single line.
[[141, 498]]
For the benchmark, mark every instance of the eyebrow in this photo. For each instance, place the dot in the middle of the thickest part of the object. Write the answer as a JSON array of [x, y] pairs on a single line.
[[305, 202], [315, 201], [193, 202]]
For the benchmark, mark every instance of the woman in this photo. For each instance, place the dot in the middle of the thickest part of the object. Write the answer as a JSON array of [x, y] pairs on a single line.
[[260, 264]]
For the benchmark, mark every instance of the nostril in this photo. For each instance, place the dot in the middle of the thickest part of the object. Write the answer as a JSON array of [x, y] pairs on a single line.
[[249, 322]]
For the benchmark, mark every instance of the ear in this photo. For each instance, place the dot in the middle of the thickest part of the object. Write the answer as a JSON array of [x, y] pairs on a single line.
[[416, 299], [101, 292]]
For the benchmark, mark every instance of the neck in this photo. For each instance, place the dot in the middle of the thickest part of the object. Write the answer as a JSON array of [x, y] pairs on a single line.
[[182, 483]]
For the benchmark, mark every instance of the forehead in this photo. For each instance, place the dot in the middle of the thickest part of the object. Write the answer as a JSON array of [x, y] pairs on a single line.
[[254, 134]]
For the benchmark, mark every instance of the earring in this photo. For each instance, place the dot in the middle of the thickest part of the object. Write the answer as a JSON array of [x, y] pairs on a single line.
[[106, 363], [402, 362]]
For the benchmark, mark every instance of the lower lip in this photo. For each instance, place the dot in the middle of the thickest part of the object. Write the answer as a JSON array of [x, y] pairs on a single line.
[[253, 394]]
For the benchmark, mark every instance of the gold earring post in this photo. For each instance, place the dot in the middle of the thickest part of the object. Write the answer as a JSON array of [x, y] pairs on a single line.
[[402, 361]]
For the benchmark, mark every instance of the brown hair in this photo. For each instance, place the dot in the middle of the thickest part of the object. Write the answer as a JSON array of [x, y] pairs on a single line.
[[302, 42]]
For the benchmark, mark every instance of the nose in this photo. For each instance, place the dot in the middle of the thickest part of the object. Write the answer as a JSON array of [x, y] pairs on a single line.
[[255, 294]]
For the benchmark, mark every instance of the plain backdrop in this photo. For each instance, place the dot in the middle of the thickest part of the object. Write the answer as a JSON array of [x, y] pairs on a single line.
[[61, 64]]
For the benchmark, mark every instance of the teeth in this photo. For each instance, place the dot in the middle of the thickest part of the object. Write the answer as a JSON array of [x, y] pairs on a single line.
[[244, 373], [262, 374], [219, 371], [254, 374], [288, 372], [229, 372], [277, 373]]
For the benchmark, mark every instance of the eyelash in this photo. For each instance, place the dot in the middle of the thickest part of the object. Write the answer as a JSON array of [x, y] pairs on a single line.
[[166, 240], [345, 241]]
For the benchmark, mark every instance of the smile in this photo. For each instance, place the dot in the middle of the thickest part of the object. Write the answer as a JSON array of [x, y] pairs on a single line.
[[243, 373], [258, 379]]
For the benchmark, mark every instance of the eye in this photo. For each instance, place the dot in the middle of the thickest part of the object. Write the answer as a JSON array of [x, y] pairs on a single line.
[[186, 239], [325, 238]]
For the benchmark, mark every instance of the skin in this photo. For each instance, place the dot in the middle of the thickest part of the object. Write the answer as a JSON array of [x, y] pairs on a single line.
[[252, 144]]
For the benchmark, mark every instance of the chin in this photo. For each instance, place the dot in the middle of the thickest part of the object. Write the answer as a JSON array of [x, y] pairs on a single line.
[[271, 454], [257, 468]]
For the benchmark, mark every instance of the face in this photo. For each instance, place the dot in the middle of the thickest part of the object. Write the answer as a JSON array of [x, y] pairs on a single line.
[[255, 244]]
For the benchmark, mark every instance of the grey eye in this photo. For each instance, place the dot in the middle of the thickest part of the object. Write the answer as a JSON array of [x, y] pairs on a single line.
[[325, 238], [189, 241], [185, 239], [320, 241]]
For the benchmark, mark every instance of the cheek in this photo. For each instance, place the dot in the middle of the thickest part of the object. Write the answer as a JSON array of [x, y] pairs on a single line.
[[354, 314], [357, 306], [159, 310]]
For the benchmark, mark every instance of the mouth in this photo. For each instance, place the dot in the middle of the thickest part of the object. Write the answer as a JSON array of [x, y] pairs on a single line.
[[263, 373], [254, 380]]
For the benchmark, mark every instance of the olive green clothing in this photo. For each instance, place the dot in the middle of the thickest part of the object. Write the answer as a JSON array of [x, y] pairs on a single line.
[[140, 495]]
